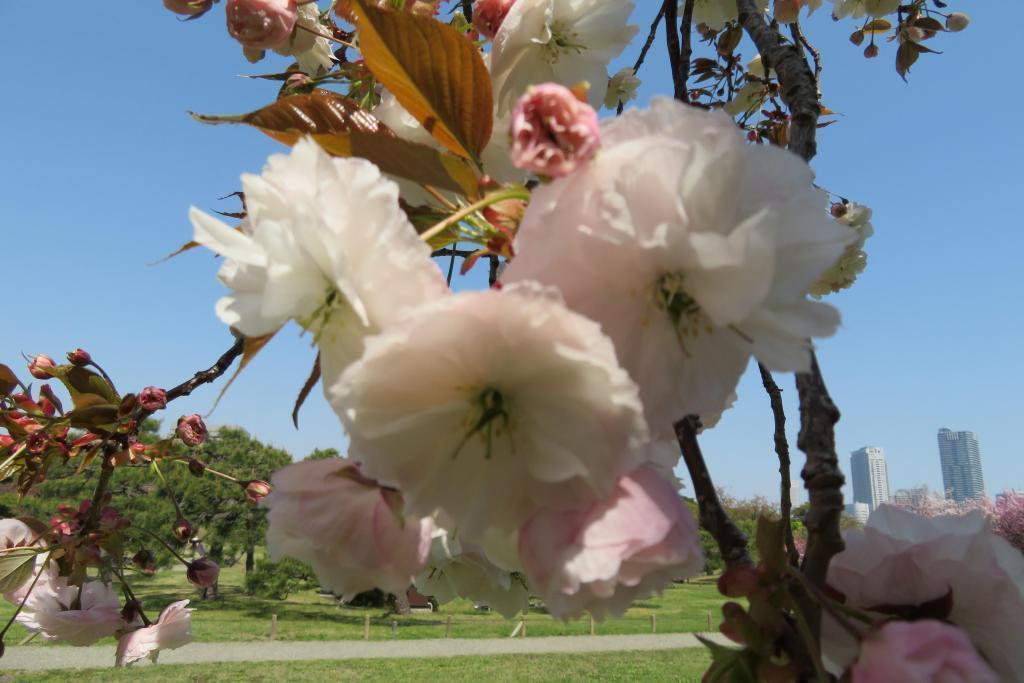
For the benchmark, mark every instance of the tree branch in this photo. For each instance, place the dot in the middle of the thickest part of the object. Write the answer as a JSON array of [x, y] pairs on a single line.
[[672, 45], [467, 10], [731, 541], [821, 473], [799, 37], [686, 29], [782, 450], [798, 88], [644, 50], [202, 377]]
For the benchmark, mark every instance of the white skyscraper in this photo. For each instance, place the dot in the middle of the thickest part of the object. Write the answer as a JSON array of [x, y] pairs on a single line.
[[870, 477]]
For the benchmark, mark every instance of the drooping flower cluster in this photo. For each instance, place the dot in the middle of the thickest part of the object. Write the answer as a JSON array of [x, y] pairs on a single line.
[[854, 259]]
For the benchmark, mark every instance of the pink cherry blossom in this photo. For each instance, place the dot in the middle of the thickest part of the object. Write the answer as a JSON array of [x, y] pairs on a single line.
[[601, 558], [901, 559], [172, 630], [203, 572], [552, 131], [348, 528], [48, 610], [191, 430], [153, 398], [488, 15], [261, 24], [926, 651]]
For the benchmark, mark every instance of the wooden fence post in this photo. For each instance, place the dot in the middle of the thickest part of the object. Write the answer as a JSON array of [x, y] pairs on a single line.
[[448, 627], [654, 623], [591, 624], [709, 622], [524, 626], [273, 626], [366, 627]]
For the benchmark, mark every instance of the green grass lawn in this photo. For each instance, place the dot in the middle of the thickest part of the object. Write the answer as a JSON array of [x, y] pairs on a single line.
[[308, 616], [681, 666]]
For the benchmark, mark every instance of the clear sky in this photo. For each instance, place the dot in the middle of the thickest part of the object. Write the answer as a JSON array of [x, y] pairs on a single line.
[[101, 163]]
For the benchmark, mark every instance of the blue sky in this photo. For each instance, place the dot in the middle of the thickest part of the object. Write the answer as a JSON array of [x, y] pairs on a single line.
[[101, 163]]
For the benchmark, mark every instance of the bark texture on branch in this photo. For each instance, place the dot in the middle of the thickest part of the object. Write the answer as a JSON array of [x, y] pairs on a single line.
[[732, 542], [798, 88], [672, 46], [782, 450], [821, 473], [202, 377]]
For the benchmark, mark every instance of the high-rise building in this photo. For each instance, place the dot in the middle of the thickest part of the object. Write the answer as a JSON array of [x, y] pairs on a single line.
[[961, 465], [859, 511], [870, 476], [913, 498]]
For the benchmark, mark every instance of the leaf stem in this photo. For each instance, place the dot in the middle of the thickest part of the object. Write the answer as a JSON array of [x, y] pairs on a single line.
[[502, 195]]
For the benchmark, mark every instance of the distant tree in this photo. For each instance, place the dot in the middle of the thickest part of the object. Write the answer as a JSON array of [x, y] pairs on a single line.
[[323, 454]]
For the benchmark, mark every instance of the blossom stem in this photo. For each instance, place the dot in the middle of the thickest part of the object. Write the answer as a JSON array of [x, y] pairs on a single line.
[[222, 475], [166, 545], [502, 195], [127, 590], [325, 37], [156, 468]]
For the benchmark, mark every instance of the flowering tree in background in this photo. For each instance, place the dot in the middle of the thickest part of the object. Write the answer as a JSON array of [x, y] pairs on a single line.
[[522, 439]]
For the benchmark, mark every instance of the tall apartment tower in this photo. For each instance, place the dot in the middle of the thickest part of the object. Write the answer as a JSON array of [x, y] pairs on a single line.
[[961, 465], [870, 476]]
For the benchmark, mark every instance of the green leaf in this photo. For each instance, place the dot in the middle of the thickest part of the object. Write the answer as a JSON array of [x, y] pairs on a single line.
[[97, 417], [343, 129], [434, 71], [16, 567]]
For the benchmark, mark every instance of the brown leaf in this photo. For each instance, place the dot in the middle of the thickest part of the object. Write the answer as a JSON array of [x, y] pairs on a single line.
[[905, 58], [8, 380], [314, 377], [877, 26], [434, 71], [344, 129]]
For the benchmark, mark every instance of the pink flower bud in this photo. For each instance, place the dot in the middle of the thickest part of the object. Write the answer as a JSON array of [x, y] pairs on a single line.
[[191, 430], [183, 529], [261, 24], [203, 572], [39, 366], [153, 398], [256, 490], [6, 440], [189, 7], [196, 467], [871, 51], [488, 15], [552, 131], [957, 21], [145, 562]]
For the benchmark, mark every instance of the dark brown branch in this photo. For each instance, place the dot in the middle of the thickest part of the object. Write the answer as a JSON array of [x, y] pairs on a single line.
[[782, 450], [686, 51], [645, 49], [731, 541], [492, 274], [467, 10], [821, 474], [446, 251], [672, 45], [798, 36], [202, 377], [798, 88]]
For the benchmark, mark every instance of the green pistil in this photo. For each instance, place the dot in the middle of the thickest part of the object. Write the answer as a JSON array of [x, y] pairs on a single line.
[[562, 41], [682, 309], [493, 408]]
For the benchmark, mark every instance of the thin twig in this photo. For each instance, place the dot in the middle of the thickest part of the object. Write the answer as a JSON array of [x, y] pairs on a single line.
[[731, 541], [800, 37], [644, 50], [202, 377], [782, 450], [446, 251], [672, 45], [467, 10]]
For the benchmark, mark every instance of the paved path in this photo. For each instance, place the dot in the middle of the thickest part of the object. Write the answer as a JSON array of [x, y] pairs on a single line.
[[37, 658]]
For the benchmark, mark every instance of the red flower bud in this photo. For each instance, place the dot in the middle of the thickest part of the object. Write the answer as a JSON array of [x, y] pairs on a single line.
[[153, 398], [145, 561], [871, 51], [261, 24], [39, 366], [739, 582], [79, 357], [191, 430], [183, 529], [256, 490], [196, 467], [6, 440], [488, 15], [203, 572]]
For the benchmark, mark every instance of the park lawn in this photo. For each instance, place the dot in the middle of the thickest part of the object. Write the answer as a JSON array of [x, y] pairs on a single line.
[[236, 617], [681, 665]]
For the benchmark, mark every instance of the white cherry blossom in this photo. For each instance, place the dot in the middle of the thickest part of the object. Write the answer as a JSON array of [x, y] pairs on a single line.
[[692, 249], [560, 41], [486, 405]]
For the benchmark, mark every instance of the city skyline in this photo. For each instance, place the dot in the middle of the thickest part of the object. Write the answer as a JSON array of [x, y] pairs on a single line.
[[960, 459], [869, 475]]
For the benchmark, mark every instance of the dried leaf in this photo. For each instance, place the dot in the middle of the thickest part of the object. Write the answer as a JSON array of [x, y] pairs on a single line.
[[905, 58], [434, 71], [344, 129], [314, 377], [250, 347], [8, 380], [877, 26]]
